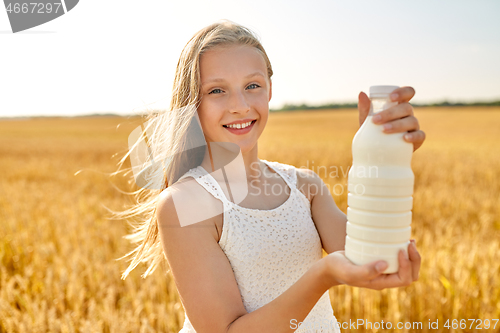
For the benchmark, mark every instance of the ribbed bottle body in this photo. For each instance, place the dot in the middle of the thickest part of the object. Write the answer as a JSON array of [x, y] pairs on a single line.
[[380, 184]]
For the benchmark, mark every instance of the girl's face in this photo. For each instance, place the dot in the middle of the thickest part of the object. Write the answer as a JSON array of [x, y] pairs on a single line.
[[234, 89]]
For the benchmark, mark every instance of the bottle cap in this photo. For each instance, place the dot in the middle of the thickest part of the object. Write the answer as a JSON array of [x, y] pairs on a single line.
[[382, 91]]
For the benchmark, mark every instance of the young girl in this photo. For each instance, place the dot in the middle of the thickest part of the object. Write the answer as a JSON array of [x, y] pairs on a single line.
[[251, 265]]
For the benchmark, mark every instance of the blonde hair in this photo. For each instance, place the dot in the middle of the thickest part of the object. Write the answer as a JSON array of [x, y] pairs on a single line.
[[169, 132]]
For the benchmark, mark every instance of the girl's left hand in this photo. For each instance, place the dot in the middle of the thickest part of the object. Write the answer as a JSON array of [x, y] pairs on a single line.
[[397, 119]]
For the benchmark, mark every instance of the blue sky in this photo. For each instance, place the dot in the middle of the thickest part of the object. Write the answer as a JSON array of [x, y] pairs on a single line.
[[120, 56]]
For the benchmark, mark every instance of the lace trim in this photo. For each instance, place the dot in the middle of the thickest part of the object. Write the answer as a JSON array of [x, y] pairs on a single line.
[[287, 172]]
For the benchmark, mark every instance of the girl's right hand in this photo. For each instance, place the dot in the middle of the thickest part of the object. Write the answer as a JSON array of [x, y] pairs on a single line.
[[340, 270]]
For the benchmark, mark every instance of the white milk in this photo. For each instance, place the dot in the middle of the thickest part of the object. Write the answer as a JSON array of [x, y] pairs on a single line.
[[380, 184]]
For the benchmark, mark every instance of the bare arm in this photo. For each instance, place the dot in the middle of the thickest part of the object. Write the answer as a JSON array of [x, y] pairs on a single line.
[[201, 271], [330, 221], [285, 312]]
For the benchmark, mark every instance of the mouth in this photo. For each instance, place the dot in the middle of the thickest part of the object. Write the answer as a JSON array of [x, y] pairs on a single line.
[[240, 128]]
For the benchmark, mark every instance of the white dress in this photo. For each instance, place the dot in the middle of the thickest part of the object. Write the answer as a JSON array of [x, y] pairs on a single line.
[[269, 250]]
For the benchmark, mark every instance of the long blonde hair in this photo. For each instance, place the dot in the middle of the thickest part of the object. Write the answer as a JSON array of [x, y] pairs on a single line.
[[168, 132]]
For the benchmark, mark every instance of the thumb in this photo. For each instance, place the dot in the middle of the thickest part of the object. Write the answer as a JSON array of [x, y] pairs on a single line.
[[374, 269], [364, 104]]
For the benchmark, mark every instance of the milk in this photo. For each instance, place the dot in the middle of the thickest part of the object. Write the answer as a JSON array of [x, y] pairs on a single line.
[[380, 184]]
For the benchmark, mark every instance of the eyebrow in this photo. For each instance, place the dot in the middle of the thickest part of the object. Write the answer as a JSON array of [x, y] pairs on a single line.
[[246, 77]]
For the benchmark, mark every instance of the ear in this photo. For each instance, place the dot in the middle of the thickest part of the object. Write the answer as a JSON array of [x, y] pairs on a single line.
[[270, 89]]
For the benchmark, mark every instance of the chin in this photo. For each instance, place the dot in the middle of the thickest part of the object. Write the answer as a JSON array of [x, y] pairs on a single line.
[[246, 148]]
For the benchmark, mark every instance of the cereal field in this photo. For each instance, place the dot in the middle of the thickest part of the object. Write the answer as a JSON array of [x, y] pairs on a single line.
[[58, 249]]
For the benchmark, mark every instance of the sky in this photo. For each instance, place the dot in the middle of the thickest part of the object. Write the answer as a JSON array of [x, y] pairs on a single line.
[[120, 56]]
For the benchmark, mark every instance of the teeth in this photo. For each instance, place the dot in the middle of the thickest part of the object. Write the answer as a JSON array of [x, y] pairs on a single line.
[[239, 125]]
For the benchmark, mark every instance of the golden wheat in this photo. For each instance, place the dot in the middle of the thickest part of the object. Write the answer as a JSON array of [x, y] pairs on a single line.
[[58, 271]]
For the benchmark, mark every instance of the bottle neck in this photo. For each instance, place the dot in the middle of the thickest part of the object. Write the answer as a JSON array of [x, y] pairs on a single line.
[[379, 104]]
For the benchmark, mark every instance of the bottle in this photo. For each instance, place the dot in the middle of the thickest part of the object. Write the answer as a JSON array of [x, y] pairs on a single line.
[[380, 185]]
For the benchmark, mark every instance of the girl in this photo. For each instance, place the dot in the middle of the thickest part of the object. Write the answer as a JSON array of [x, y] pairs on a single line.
[[253, 265]]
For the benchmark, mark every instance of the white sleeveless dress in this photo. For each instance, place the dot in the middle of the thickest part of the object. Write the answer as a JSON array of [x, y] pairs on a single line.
[[269, 250]]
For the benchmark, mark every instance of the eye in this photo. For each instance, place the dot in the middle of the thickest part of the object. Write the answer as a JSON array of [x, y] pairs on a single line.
[[254, 84], [216, 89]]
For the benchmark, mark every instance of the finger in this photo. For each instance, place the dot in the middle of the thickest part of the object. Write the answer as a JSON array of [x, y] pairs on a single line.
[[372, 270], [401, 125], [403, 94], [417, 138], [364, 104], [345, 272], [396, 112], [385, 281], [415, 259], [405, 269]]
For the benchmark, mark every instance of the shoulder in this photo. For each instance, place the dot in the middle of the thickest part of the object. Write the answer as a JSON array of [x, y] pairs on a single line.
[[188, 206], [308, 182], [175, 204], [165, 208]]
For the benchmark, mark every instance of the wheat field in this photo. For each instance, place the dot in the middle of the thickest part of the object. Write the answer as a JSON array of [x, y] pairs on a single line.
[[58, 248]]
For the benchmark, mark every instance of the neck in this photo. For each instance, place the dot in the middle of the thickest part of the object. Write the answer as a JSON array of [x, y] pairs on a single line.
[[253, 167]]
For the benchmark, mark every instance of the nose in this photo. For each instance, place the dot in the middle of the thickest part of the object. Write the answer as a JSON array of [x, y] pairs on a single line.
[[238, 103]]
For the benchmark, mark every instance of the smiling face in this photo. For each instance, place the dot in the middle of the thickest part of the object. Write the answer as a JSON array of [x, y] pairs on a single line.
[[235, 89]]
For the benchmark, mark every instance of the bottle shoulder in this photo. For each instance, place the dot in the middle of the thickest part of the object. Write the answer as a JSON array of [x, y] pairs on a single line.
[[371, 146]]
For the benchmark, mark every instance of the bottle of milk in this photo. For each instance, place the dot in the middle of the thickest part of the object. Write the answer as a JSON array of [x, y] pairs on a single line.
[[380, 184]]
